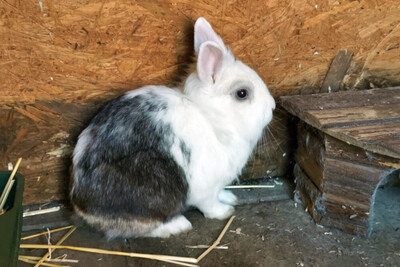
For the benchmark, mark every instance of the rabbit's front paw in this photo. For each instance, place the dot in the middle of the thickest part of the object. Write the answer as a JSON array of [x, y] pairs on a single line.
[[227, 197], [219, 211]]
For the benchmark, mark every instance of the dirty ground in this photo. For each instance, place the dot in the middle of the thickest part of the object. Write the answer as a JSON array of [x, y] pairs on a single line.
[[278, 233]]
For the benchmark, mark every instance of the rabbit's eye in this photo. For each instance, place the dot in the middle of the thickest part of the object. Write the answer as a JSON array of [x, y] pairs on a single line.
[[242, 94]]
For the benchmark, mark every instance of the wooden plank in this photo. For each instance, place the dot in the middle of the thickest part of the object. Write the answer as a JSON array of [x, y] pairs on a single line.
[[352, 220], [334, 148], [351, 183], [310, 153], [369, 119], [338, 170], [310, 195], [311, 140], [297, 104], [348, 186], [310, 166], [360, 148], [393, 145], [379, 138], [371, 132], [354, 116], [336, 72]]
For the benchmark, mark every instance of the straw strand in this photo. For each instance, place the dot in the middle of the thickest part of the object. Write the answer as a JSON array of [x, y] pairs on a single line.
[[216, 243], [43, 233], [58, 243], [111, 252]]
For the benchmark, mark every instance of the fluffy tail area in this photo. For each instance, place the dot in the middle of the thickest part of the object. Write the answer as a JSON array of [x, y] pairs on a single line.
[[128, 228], [176, 225]]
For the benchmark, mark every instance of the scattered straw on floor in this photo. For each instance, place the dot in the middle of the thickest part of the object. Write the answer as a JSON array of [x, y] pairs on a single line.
[[58, 259], [249, 186], [58, 243], [51, 231], [27, 260], [216, 243], [184, 261], [118, 253], [206, 246]]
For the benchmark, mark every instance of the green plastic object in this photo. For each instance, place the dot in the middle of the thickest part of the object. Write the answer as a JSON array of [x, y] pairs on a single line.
[[11, 221]]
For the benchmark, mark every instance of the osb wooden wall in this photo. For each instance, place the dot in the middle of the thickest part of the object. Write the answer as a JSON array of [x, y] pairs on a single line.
[[60, 60]]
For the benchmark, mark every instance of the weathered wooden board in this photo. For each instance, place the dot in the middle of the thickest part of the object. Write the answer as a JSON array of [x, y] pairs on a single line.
[[310, 166], [382, 138], [310, 153], [346, 217], [338, 149], [337, 181], [347, 197], [371, 132], [355, 116], [337, 71], [298, 104], [328, 211], [309, 194], [351, 183], [368, 119]]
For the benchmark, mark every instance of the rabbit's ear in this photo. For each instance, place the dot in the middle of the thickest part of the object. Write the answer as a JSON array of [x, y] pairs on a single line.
[[209, 62], [203, 32]]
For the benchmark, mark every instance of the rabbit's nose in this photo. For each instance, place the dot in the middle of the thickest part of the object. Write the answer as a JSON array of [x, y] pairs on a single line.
[[271, 102]]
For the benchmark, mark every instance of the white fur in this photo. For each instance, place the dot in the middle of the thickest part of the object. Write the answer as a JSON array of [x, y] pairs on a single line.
[[219, 130], [79, 151], [203, 32], [175, 226], [84, 139], [227, 197], [134, 93]]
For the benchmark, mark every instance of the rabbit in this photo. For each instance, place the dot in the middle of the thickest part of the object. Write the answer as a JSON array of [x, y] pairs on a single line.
[[155, 151]]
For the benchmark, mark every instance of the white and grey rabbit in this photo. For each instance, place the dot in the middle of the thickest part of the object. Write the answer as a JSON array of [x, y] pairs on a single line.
[[153, 152]]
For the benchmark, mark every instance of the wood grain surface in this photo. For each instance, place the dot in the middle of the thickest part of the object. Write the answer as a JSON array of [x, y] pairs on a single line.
[[369, 119]]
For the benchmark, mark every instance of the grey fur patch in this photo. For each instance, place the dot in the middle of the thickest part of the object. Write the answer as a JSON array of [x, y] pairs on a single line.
[[185, 152], [127, 173]]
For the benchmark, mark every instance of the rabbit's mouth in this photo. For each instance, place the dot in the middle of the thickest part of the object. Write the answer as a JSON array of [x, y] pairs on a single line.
[[268, 119]]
